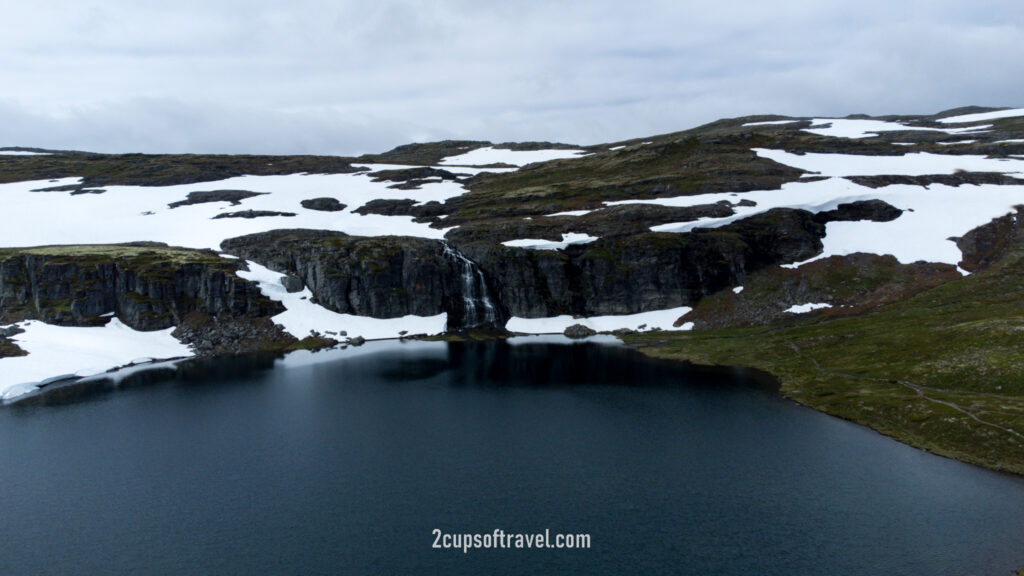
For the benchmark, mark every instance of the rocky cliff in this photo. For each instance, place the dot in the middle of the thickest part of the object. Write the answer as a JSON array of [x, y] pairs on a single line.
[[149, 287]]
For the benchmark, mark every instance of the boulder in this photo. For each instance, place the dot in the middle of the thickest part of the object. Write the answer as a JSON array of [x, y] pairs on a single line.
[[577, 331]]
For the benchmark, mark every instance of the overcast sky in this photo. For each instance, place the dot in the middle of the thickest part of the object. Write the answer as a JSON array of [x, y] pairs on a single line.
[[353, 76]]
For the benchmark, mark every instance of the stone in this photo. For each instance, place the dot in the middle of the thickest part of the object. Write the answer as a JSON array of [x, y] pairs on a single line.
[[292, 283], [323, 204], [578, 331]]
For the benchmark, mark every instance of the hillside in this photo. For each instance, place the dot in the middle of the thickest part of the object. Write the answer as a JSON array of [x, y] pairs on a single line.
[[871, 264]]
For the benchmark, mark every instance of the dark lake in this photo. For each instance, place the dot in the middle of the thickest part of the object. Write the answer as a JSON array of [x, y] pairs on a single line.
[[344, 462]]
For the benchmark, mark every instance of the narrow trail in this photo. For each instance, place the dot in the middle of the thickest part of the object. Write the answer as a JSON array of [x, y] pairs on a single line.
[[918, 389]]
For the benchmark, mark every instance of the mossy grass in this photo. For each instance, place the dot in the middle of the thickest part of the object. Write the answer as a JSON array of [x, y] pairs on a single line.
[[942, 370]]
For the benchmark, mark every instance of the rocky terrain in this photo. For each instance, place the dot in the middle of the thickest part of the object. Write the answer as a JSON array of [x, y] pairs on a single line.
[[761, 225]]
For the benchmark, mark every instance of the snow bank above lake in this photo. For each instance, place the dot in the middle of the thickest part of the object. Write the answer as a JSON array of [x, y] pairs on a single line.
[[653, 320], [56, 352]]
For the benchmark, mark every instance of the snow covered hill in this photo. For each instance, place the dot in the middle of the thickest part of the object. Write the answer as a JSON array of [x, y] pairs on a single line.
[[627, 235]]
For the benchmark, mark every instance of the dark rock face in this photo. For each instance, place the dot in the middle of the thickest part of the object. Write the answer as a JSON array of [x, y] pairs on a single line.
[[624, 220], [249, 214], [382, 277], [874, 210], [235, 197], [650, 271], [323, 204], [983, 245], [146, 296], [292, 284]]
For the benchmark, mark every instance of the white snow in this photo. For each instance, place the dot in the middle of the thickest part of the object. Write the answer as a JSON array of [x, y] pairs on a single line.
[[540, 244], [56, 352], [132, 213], [737, 290], [957, 142], [1014, 141], [617, 147], [849, 128], [911, 164], [303, 316], [805, 308], [983, 116], [488, 155], [654, 320], [571, 213], [22, 153], [769, 123], [904, 143], [938, 213]]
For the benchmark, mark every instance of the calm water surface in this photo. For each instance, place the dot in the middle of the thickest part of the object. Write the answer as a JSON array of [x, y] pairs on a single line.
[[346, 465]]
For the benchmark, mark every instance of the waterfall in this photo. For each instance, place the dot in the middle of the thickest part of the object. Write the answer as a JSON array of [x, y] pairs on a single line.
[[478, 310]]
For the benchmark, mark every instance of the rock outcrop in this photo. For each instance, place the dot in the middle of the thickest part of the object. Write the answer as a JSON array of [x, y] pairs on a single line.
[[652, 271], [382, 277], [148, 287]]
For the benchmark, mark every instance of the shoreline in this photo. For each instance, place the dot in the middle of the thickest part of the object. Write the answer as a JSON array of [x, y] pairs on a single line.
[[764, 379]]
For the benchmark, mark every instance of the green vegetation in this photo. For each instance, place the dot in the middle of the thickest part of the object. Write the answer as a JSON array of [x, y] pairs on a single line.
[[98, 170], [311, 343], [942, 370], [673, 165], [139, 253]]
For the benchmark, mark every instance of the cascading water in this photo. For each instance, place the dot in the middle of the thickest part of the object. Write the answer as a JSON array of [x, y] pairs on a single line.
[[478, 310]]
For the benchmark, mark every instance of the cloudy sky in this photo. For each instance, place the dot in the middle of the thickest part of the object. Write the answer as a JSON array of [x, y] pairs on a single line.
[[352, 76]]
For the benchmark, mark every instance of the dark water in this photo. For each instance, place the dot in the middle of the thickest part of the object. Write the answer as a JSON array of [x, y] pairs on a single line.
[[346, 467]]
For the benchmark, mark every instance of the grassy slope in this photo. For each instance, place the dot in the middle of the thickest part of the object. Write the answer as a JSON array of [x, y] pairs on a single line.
[[943, 370]]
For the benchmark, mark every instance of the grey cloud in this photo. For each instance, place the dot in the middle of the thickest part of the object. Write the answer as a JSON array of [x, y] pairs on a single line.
[[357, 76]]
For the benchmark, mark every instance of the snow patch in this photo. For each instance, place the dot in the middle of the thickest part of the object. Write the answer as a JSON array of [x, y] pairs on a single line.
[[737, 290], [854, 129], [540, 244], [983, 116], [931, 215], [133, 213], [23, 153], [488, 155], [302, 316], [571, 213], [805, 308], [912, 164], [57, 352], [654, 320]]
